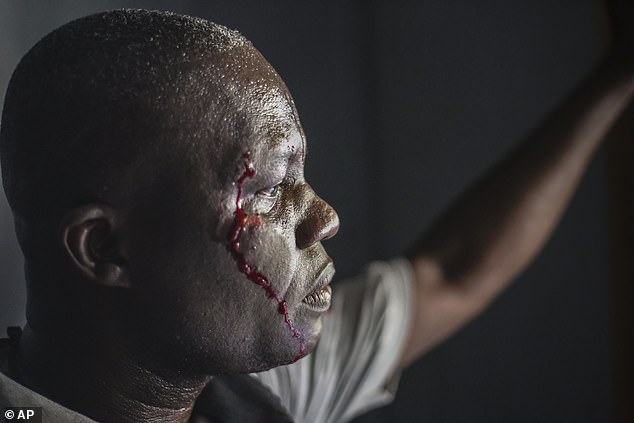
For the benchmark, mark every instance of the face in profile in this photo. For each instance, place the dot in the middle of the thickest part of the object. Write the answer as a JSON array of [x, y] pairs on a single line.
[[225, 255]]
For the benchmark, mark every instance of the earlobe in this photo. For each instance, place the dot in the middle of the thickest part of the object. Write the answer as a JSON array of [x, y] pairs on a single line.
[[89, 236]]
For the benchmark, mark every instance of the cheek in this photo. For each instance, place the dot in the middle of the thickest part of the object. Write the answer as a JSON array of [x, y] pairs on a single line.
[[268, 258], [270, 252]]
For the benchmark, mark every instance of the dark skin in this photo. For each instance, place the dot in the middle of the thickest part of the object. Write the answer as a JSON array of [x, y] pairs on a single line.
[[208, 317], [167, 307]]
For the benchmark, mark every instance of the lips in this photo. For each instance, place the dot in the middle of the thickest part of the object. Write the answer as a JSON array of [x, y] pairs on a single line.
[[319, 298]]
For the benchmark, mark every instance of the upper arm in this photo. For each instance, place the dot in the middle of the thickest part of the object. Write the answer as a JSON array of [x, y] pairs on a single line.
[[440, 307]]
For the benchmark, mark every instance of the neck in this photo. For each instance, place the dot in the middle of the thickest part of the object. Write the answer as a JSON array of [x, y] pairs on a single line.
[[102, 380]]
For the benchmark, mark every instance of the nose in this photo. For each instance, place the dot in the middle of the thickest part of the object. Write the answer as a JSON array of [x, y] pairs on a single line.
[[320, 222]]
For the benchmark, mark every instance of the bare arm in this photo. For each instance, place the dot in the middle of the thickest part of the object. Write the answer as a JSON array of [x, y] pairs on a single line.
[[498, 226]]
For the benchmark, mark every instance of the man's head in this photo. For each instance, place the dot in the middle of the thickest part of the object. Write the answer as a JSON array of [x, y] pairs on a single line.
[[154, 164]]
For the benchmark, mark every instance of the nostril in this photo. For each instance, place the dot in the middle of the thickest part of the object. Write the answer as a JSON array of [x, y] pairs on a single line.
[[317, 227]]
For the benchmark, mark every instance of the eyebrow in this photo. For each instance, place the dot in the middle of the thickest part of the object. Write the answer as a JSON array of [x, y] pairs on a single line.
[[281, 153], [284, 149]]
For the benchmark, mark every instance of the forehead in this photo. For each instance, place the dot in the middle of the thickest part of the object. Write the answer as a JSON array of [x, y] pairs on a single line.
[[253, 97], [250, 107], [239, 104]]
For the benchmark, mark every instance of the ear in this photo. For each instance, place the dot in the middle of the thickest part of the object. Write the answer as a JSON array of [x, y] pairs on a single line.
[[90, 235]]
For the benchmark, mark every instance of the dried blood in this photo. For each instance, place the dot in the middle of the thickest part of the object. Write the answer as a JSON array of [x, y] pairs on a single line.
[[248, 269]]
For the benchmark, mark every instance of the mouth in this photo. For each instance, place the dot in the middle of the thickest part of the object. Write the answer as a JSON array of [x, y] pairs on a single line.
[[319, 298]]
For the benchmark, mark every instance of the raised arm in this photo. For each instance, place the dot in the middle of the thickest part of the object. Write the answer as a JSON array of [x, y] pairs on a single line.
[[497, 227]]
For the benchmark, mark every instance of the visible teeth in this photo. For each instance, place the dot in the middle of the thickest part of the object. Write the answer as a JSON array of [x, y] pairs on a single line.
[[320, 297]]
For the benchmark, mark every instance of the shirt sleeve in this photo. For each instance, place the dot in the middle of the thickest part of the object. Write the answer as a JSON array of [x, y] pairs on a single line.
[[353, 367]]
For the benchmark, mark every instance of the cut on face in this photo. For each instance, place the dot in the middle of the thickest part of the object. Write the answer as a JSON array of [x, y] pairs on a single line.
[[241, 268]]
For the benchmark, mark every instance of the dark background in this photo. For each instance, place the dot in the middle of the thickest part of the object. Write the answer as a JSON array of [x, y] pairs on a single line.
[[404, 103]]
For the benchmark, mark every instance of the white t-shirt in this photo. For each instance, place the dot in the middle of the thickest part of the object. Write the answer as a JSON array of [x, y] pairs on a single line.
[[353, 367]]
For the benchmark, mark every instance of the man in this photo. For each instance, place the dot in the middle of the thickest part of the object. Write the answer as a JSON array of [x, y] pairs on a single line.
[[172, 244]]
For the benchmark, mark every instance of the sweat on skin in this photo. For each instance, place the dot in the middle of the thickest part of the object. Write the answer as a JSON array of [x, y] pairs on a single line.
[[125, 221]]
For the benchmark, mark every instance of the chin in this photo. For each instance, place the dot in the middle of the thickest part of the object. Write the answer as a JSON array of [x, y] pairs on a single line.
[[291, 349], [311, 336]]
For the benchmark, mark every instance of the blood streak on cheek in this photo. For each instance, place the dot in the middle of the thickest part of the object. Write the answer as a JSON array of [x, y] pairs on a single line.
[[241, 220]]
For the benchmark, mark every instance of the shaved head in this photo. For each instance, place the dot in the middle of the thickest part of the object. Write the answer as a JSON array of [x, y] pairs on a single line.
[[96, 94], [132, 141], [102, 106]]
